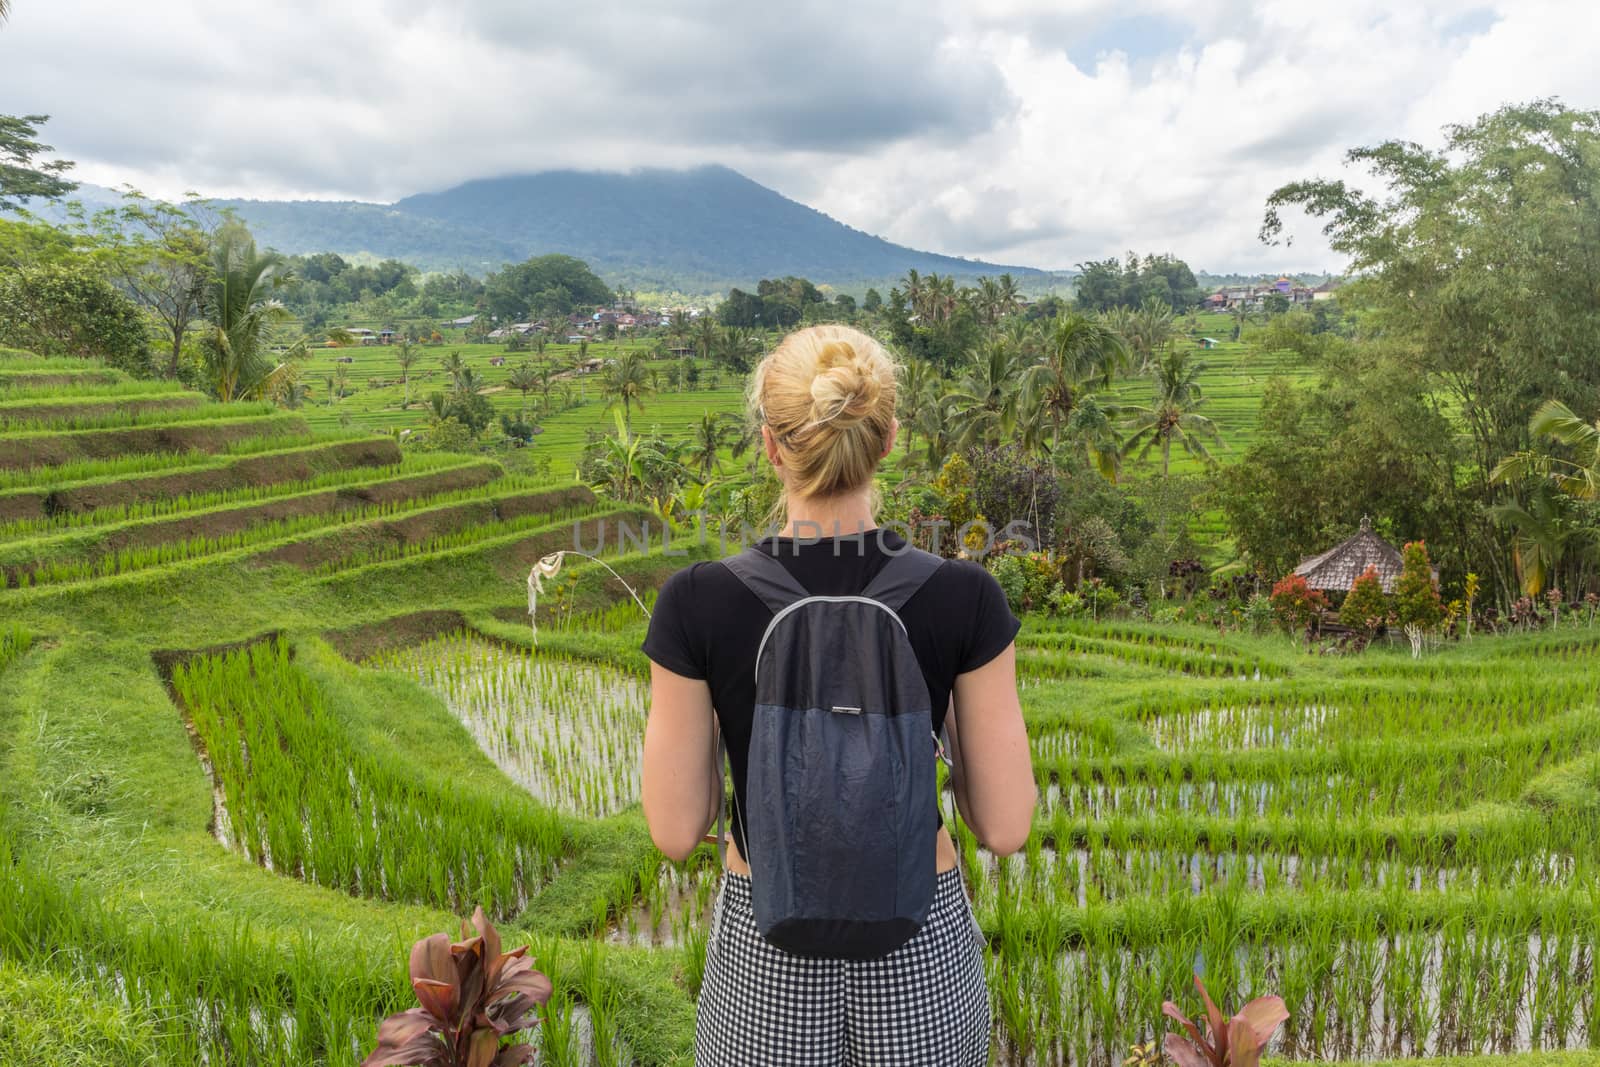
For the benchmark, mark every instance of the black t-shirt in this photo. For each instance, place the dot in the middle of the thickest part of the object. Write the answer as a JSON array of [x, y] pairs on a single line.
[[707, 625]]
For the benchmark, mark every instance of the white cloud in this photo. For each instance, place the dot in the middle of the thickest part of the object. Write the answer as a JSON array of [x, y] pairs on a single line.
[[1043, 132]]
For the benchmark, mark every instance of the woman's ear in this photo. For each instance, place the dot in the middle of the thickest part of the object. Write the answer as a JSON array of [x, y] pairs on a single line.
[[888, 444], [770, 443]]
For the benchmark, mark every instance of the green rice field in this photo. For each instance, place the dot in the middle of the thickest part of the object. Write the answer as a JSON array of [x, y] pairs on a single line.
[[271, 709]]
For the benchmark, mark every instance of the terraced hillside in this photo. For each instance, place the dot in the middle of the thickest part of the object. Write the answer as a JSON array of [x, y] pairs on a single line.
[[271, 709]]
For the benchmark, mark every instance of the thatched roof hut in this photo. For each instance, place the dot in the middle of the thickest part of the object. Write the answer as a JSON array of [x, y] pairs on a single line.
[[1336, 570]]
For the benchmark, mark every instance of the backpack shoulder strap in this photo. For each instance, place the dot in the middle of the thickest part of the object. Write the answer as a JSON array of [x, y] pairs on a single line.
[[764, 576], [901, 577]]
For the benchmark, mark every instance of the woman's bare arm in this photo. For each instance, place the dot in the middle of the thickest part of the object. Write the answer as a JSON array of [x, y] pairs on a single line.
[[993, 769], [682, 786]]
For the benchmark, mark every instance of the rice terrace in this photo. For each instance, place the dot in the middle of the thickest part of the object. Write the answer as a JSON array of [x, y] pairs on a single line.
[[330, 532]]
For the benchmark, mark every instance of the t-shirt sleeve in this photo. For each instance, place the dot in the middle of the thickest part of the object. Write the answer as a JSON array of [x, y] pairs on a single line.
[[671, 639], [993, 627]]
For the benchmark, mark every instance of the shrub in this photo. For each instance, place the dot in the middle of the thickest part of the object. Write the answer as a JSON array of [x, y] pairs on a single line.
[[1258, 614], [1009, 486], [1027, 579], [472, 996], [1416, 597], [1295, 603], [1234, 1041], [1366, 606], [65, 310]]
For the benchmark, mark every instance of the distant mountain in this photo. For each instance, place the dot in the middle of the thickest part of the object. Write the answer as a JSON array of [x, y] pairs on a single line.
[[710, 224], [697, 231]]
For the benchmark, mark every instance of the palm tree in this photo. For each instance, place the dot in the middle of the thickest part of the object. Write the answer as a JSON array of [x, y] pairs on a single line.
[[627, 379], [913, 290], [1172, 416], [1010, 294], [1579, 478], [703, 337], [1092, 424], [1081, 354], [989, 301], [454, 366], [524, 379], [918, 390], [984, 404], [678, 324], [737, 348], [407, 354], [240, 317], [1153, 329], [547, 377], [714, 431], [1543, 533], [1241, 313]]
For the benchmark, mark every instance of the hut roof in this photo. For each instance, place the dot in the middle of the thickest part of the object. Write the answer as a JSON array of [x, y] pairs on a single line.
[[1337, 569]]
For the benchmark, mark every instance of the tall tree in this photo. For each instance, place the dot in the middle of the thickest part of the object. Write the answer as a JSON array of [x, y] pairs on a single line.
[[628, 380], [407, 354], [241, 313], [984, 403], [1173, 415], [1082, 354], [714, 431], [22, 176], [161, 253], [524, 379], [1476, 267]]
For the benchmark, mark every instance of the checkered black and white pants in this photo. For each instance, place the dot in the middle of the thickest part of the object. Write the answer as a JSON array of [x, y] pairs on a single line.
[[923, 1005]]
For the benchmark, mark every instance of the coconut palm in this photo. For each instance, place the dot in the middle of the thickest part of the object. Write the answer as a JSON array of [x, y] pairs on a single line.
[[678, 324], [703, 336], [918, 389], [989, 301], [407, 354], [985, 402], [1082, 354], [736, 349], [1153, 328], [1241, 313], [454, 366], [1010, 294], [1092, 425], [913, 290], [627, 379], [524, 379], [1172, 416], [240, 315], [715, 431]]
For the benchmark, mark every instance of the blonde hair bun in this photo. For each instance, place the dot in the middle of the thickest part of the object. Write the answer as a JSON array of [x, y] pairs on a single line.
[[827, 393], [845, 390]]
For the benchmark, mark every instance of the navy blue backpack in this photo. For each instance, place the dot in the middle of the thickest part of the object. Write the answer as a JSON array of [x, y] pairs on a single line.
[[841, 810]]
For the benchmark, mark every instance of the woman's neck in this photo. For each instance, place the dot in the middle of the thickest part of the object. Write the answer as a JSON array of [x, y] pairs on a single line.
[[829, 516]]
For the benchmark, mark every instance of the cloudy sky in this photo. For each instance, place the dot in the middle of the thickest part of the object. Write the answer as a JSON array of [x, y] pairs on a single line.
[[1041, 132]]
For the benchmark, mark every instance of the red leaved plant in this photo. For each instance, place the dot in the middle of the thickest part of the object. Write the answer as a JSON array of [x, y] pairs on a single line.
[[1235, 1042], [472, 995]]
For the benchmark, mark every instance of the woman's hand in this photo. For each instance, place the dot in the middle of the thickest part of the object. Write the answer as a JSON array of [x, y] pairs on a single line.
[[682, 785]]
